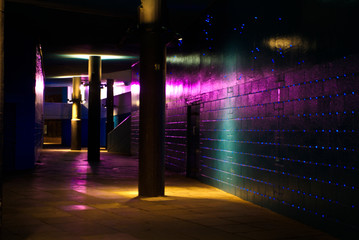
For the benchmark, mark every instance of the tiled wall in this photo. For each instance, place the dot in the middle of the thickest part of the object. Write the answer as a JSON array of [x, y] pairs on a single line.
[[289, 143], [176, 136], [292, 146], [279, 104], [135, 131]]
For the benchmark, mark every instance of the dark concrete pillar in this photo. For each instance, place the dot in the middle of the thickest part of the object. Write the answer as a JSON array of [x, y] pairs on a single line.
[[1, 99], [152, 100], [76, 114], [109, 106], [94, 112]]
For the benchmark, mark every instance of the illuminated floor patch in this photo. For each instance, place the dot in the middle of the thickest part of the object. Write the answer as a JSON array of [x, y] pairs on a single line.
[[158, 199], [76, 207]]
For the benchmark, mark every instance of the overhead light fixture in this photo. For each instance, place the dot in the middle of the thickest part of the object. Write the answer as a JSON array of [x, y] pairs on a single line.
[[103, 56]]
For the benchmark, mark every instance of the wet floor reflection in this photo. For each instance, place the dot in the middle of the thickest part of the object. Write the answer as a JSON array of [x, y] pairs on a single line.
[[82, 169]]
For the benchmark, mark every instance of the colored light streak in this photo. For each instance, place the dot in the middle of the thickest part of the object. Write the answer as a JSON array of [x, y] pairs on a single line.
[[189, 60], [174, 90], [76, 207], [39, 84], [103, 56], [313, 98], [39, 76], [68, 76], [135, 88]]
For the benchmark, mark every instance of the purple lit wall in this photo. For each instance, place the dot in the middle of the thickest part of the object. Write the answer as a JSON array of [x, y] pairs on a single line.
[[135, 114], [39, 103], [287, 142], [272, 89]]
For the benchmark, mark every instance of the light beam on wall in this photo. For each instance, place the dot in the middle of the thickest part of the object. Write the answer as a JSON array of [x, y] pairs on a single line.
[[67, 76], [103, 56]]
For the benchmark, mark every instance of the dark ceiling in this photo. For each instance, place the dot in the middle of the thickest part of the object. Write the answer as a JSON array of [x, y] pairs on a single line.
[[91, 26]]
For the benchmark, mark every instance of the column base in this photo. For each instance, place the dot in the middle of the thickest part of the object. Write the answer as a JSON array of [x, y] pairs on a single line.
[[75, 134]]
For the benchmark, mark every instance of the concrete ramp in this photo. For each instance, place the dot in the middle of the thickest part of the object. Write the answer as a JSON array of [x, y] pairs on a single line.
[[119, 139]]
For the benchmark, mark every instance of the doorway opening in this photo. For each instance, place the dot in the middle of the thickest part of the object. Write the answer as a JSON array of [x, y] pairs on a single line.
[[52, 132], [193, 141]]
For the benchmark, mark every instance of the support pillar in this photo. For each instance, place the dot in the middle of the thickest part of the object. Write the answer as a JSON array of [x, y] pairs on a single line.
[[152, 100], [76, 114], [109, 106], [1, 100], [94, 112]]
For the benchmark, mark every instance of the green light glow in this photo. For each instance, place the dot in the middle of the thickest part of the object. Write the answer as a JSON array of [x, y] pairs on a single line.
[[229, 145]]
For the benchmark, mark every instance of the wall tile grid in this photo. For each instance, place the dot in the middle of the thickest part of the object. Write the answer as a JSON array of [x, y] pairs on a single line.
[[278, 106], [135, 131], [176, 136], [288, 143]]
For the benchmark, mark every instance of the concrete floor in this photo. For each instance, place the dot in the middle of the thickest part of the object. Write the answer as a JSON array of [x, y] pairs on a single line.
[[65, 198]]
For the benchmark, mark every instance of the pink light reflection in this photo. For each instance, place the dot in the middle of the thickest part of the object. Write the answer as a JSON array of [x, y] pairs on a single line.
[[79, 185], [39, 78], [81, 167], [76, 207]]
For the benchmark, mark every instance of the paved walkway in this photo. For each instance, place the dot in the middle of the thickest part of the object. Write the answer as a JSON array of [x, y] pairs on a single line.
[[65, 198]]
